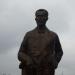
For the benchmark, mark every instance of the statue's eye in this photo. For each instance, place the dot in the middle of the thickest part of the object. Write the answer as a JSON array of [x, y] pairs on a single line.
[[41, 17]]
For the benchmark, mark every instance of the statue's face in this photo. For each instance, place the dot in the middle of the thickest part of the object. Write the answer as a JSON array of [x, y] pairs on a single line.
[[41, 19]]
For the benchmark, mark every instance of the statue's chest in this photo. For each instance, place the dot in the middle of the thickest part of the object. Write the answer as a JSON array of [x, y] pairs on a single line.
[[39, 40]]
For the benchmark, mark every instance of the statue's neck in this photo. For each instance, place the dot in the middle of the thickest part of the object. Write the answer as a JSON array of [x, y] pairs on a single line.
[[41, 28]]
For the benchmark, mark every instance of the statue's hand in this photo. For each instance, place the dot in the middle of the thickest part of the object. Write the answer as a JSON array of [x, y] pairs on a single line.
[[25, 59], [53, 61]]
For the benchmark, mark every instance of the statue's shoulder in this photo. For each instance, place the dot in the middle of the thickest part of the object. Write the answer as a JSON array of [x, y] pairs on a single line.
[[31, 32], [52, 33]]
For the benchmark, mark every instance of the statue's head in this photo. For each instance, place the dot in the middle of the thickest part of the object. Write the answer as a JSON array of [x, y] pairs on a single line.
[[41, 16]]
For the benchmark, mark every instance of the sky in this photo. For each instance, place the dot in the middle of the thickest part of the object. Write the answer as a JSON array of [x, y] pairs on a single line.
[[18, 17]]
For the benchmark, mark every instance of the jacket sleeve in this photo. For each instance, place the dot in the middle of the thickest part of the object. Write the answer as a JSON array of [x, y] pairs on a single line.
[[58, 49], [22, 54]]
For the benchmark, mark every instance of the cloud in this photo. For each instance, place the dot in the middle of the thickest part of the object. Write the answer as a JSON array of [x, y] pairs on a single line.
[[13, 23], [16, 17], [9, 63]]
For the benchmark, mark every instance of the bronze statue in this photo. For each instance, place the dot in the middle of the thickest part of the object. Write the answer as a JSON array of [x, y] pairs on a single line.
[[40, 51]]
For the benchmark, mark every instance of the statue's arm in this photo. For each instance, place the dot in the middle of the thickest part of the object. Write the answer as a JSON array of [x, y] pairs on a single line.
[[58, 49], [22, 54]]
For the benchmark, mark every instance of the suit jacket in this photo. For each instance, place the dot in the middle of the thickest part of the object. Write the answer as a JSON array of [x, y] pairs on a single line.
[[40, 47]]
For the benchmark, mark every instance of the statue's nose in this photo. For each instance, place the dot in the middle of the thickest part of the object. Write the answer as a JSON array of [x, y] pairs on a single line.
[[41, 17]]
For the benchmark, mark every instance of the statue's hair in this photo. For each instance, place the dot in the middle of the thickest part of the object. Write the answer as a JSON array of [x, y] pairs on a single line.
[[41, 11]]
